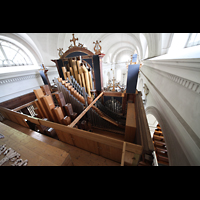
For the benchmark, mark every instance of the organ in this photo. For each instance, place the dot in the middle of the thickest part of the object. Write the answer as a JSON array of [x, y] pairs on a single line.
[[78, 114]]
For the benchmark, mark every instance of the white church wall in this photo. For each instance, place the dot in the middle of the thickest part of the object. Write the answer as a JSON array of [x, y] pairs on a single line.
[[177, 106], [14, 84], [19, 80]]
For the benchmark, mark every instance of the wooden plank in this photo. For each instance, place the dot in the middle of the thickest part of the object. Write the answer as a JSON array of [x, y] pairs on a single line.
[[113, 94], [108, 147], [86, 144], [93, 136], [84, 112], [18, 101], [65, 137], [110, 152], [79, 156], [37, 152], [135, 148], [23, 106], [130, 129], [23, 116], [144, 127], [123, 153]]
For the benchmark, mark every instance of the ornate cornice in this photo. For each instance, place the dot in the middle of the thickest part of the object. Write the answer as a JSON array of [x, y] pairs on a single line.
[[19, 78], [192, 65], [178, 116], [191, 85]]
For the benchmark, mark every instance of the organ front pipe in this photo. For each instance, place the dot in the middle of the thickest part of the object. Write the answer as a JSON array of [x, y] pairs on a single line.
[[79, 78], [78, 62], [75, 69], [64, 72], [90, 78], [68, 75], [86, 79], [82, 75], [71, 71]]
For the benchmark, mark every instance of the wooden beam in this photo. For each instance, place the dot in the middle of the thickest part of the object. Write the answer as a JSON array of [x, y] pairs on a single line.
[[84, 112], [23, 106], [130, 129], [113, 94], [101, 139], [123, 153], [93, 136]]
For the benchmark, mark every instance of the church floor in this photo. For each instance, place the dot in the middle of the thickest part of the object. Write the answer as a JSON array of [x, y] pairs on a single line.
[[79, 157]]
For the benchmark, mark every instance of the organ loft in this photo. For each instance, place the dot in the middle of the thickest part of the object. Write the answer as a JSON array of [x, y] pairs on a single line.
[[77, 116]]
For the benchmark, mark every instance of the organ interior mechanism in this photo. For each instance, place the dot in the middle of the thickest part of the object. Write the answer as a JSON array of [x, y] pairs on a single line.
[[79, 112]]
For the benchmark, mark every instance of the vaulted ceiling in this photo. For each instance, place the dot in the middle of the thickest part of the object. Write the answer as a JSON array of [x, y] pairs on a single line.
[[114, 45]]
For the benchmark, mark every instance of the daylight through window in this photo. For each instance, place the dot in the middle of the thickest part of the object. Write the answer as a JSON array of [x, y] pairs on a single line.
[[194, 39], [12, 55]]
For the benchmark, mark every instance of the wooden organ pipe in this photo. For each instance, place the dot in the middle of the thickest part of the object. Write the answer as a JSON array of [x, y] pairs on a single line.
[[80, 81], [64, 72], [78, 62], [68, 75], [67, 120], [59, 79], [75, 68], [82, 76], [39, 94], [71, 71], [86, 78], [90, 78], [59, 114]]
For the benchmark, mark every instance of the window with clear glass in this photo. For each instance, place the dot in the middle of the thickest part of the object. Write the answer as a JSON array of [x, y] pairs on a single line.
[[12, 55], [194, 39]]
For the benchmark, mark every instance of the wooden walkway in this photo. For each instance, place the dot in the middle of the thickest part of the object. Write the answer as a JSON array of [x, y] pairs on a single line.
[[79, 157]]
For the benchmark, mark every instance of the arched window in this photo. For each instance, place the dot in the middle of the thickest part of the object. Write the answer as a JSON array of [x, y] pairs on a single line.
[[12, 55], [194, 39]]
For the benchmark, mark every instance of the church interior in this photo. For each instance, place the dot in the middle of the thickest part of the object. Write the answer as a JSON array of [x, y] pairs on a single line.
[[99, 99]]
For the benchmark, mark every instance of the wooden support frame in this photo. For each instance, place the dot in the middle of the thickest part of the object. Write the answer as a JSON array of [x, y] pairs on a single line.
[[23, 106], [93, 142], [102, 145], [84, 112], [130, 129], [123, 153]]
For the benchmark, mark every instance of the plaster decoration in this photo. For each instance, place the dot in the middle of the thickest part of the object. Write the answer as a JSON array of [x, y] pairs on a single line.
[[186, 138], [20, 78], [189, 84], [179, 117], [146, 90]]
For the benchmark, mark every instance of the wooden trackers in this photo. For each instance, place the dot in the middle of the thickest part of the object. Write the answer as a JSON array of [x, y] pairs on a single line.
[[130, 129]]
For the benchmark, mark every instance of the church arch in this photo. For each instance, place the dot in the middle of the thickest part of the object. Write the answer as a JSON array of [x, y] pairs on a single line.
[[16, 55], [140, 85], [156, 113], [154, 117], [144, 45]]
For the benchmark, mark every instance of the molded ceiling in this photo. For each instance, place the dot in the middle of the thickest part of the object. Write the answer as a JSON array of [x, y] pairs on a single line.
[[114, 45]]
